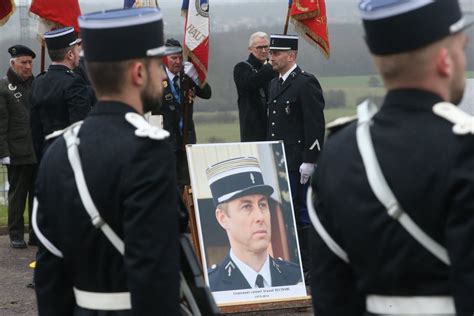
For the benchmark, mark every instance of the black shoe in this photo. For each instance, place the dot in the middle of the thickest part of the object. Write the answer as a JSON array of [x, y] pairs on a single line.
[[18, 243]]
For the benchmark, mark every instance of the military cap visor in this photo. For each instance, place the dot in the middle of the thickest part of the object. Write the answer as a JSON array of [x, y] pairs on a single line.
[[20, 50], [118, 35], [394, 26]]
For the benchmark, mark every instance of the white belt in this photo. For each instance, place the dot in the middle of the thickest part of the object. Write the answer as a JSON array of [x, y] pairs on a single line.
[[418, 305], [103, 301]]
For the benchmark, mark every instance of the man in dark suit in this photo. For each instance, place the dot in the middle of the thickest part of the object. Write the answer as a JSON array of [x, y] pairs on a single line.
[[252, 78], [242, 209], [16, 145], [394, 190], [106, 209], [295, 115], [59, 97], [180, 87]]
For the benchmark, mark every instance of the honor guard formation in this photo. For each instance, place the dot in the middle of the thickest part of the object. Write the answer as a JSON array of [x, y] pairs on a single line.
[[383, 202]]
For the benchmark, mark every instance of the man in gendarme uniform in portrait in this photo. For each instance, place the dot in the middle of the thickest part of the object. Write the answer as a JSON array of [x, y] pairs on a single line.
[[394, 191], [242, 210], [106, 209], [16, 145], [59, 97]]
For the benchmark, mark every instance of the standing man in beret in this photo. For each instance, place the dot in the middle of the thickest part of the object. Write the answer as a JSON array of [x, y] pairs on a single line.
[[394, 191], [243, 210], [180, 87], [252, 79], [295, 115], [106, 203], [16, 145], [59, 97]]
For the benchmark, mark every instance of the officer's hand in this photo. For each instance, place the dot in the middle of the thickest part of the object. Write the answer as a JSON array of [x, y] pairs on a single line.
[[5, 161], [191, 72], [306, 170]]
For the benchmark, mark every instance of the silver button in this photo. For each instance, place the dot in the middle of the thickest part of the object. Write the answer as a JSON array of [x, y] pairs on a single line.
[[274, 101], [287, 102], [273, 135], [274, 112], [299, 142], [273, 123]]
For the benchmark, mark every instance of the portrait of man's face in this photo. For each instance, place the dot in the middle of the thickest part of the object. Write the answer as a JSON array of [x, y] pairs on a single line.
[[247, 222]]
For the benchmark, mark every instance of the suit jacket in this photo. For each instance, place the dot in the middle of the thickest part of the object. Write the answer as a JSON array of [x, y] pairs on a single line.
[[59, 97], [430, 170], [132, 182], [226, 276], [173, 111], [252, 79], [295, 115], [15, 131]]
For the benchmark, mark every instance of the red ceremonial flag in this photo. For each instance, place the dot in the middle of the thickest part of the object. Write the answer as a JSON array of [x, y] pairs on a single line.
[[196, 36], [61, 12], [7, 7], [309, 19]]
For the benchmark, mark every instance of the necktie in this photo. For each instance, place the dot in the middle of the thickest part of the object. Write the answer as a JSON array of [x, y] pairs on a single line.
[[176, 85], [280, 84], [259, 281]]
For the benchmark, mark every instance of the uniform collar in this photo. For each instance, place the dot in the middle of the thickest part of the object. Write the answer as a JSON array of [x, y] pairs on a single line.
[[285, 76], [111, 107], [170, 74], [59, 67], [413, 98], [250, 274]]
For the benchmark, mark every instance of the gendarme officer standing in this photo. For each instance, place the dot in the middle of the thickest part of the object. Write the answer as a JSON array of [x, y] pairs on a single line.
[[394, 202], [295, 115], [106, 208], [59, 97]]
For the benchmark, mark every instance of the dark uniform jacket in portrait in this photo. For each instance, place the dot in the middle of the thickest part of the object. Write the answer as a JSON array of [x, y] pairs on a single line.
[[131, 180], [15, 131], [295, 115], [252, 79], [59, 97], [227, 276], [173, 111], [429, 166]]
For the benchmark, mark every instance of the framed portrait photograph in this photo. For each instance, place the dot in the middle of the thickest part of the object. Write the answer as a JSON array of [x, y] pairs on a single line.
[[245, 222]]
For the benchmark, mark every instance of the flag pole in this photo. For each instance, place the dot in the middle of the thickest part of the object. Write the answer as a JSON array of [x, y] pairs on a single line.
[[42, 57], [285, 29]]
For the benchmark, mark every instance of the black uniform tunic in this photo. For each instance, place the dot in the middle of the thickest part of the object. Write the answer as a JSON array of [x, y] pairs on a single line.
[[132, 182], [59, 97], [431, 172], [295, 115]]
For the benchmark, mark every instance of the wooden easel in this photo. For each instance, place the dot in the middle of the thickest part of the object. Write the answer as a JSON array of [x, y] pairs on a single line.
[[295, 305]]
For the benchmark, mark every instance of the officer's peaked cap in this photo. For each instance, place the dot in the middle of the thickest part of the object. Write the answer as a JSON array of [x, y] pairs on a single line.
[[124, 34], [397, 26], [283, 42], [61, 38], [236, 177], [20, 50]]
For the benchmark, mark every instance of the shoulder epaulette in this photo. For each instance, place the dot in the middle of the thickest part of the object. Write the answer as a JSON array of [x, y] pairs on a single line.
[[61, 131], [340, 123], [145, 129], [463, 122], [213, 268]]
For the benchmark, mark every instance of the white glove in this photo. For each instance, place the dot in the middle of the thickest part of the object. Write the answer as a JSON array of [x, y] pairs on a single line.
[[5, 160], [306, 170], [191, 72]]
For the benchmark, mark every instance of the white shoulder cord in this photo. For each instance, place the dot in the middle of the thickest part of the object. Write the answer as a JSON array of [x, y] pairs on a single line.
[[46, 243]]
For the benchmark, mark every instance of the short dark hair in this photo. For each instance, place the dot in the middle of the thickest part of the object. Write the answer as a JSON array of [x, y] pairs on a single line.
[[109, 77], [58, 55]]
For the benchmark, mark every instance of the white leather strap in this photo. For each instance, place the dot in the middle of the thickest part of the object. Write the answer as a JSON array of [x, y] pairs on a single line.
[[103, 301], [381, 188], [46, 243], [328, 240], [415, 305], [72, 142]]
